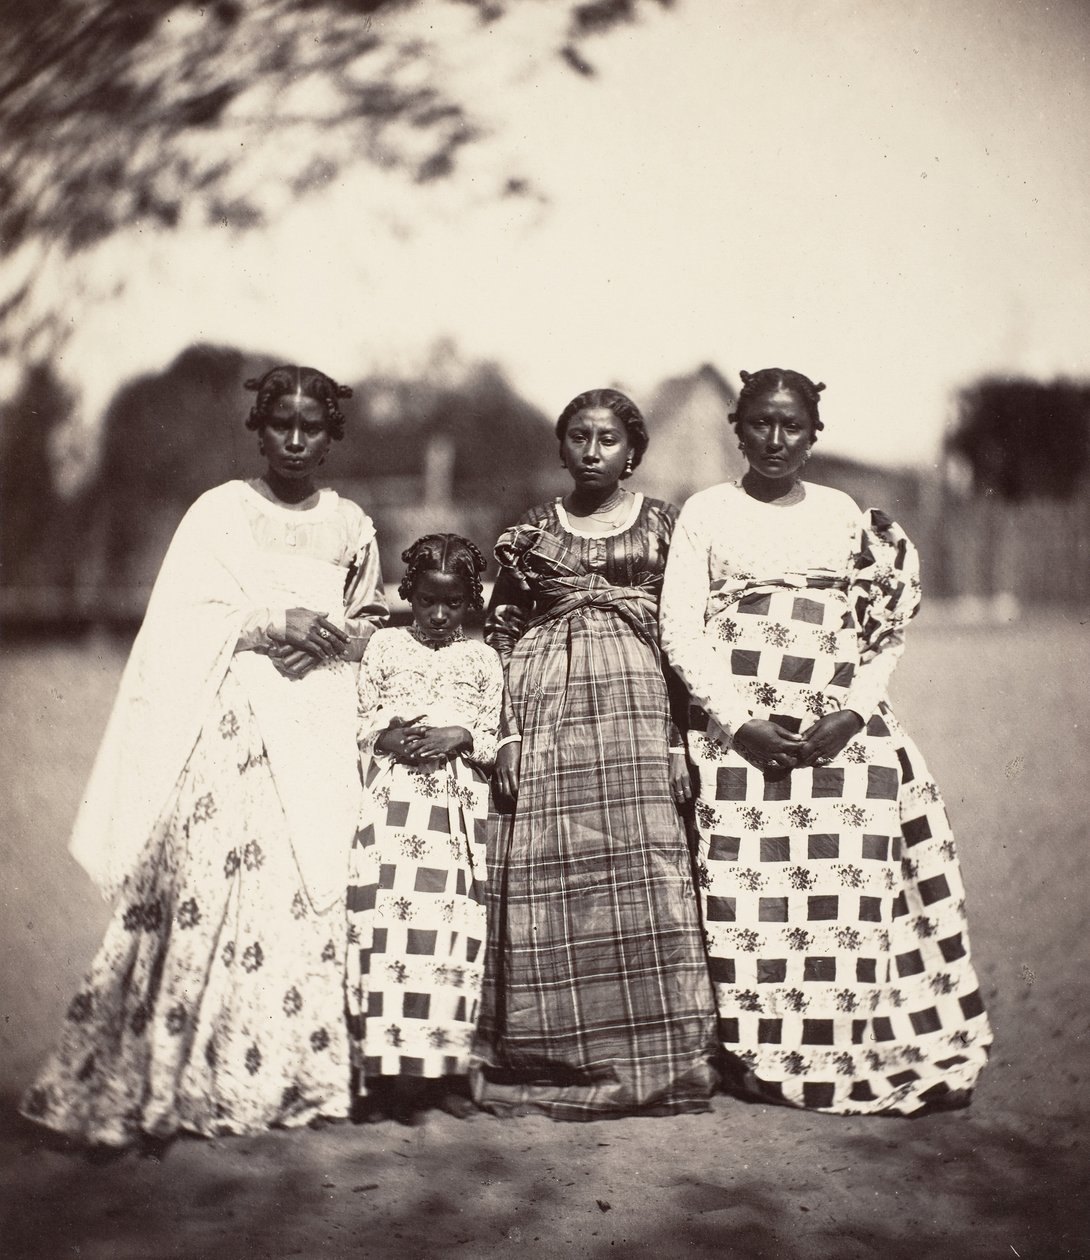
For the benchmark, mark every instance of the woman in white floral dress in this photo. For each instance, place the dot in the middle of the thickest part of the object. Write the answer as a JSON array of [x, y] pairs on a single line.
[[833, 903], [221, 809], [429, 701]]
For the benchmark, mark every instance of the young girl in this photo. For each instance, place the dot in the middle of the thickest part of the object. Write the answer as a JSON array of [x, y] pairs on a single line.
[[429, 702]]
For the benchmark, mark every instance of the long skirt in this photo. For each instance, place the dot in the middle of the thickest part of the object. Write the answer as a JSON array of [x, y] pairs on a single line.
[[597, 999], [216, 1002], [416, 919], [833, 899]]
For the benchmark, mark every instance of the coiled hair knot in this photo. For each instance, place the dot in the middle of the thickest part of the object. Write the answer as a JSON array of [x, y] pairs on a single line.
[[308, 381], [624, 410], [444, 553], [768, 381]]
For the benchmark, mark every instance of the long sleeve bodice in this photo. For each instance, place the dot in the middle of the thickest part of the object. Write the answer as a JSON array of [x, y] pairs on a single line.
[[459, 684], [335, 531], [550, 570], [729, 548]]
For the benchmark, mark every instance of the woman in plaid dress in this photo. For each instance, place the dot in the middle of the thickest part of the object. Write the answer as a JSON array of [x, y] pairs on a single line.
[[597, 999], [832, 896]]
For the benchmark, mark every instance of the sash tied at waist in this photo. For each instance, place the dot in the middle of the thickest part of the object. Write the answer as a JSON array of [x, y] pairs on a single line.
[[559, 597]]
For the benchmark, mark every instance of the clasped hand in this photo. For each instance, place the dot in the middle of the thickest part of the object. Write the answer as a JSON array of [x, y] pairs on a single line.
[[309, 639], [407, 741], [772, 748]]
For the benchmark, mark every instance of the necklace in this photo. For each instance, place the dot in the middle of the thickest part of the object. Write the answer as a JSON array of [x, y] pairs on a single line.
[[455, 636], [795, 495], [606, 513]]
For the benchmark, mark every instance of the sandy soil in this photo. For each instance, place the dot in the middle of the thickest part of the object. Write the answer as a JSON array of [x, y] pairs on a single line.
[[1004, 719]]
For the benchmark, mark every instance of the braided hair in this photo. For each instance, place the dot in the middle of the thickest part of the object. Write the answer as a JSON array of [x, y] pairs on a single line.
[[444, 553], [624, 410], [308, 381], [768, 381]]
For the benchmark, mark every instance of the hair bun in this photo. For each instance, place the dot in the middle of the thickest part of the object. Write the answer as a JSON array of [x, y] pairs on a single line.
[[746, 376], [344, 391], [819, 387]]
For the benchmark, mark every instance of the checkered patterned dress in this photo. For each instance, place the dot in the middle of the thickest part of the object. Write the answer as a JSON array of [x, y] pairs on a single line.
[[597, 999], [417, 875], [832, 895]]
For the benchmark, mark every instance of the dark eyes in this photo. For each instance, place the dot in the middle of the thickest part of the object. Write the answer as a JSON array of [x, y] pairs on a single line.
[[282, 424], [789, 426]]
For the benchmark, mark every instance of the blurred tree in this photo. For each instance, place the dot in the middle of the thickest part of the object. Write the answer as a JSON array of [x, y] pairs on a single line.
[[1024, 438], [171, 435], [117, 112], [498, 438], [168, 437], [40, 532]]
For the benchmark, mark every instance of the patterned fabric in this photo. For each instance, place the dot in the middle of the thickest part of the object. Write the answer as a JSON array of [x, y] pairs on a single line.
[[215, 1003], [833, 902], [418, 871], [597, 998]]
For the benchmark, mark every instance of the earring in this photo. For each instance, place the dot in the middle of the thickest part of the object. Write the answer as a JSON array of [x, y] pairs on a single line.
[[628, 464]]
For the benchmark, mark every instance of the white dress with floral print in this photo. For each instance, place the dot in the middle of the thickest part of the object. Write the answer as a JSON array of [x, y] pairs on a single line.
[[216, 1001], [416, 896]]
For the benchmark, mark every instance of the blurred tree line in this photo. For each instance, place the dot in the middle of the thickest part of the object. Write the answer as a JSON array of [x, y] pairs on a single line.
[[170, 436], [1024, 439]]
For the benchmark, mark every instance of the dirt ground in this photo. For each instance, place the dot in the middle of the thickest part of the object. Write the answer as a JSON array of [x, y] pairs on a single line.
[[1003, 716]]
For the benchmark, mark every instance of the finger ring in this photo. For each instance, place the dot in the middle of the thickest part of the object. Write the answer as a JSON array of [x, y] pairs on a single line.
[[324, 633], [824, 761]]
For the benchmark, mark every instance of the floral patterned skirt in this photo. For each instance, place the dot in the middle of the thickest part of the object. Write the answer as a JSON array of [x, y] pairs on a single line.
[[417, 919], [833, 903], [216, 1002]]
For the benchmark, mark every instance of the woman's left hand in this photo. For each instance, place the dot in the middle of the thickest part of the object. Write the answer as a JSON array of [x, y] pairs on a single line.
[[292, 662], [681, 784], [827, 738], [426, 743]]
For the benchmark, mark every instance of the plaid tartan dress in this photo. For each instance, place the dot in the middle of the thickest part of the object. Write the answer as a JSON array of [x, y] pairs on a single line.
[[418, 867], [597, 999], [832, 896]]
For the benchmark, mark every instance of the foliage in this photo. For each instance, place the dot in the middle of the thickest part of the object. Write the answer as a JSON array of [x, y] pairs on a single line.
[[1024, 438], [169, 436], [157, 111]]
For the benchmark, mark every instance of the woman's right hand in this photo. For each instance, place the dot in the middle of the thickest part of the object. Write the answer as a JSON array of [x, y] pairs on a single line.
[[767, 745], [313, 632], [291, 662], [508, 763], [398, 738]]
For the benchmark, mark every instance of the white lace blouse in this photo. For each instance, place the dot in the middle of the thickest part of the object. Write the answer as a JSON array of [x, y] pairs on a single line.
[[458, 684]]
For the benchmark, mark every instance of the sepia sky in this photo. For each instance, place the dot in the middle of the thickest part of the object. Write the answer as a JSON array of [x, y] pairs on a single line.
[[890, 195]]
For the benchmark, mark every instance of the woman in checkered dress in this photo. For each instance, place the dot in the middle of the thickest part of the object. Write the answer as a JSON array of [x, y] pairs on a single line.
[[429, 701], [597, 999], [833, 901]]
